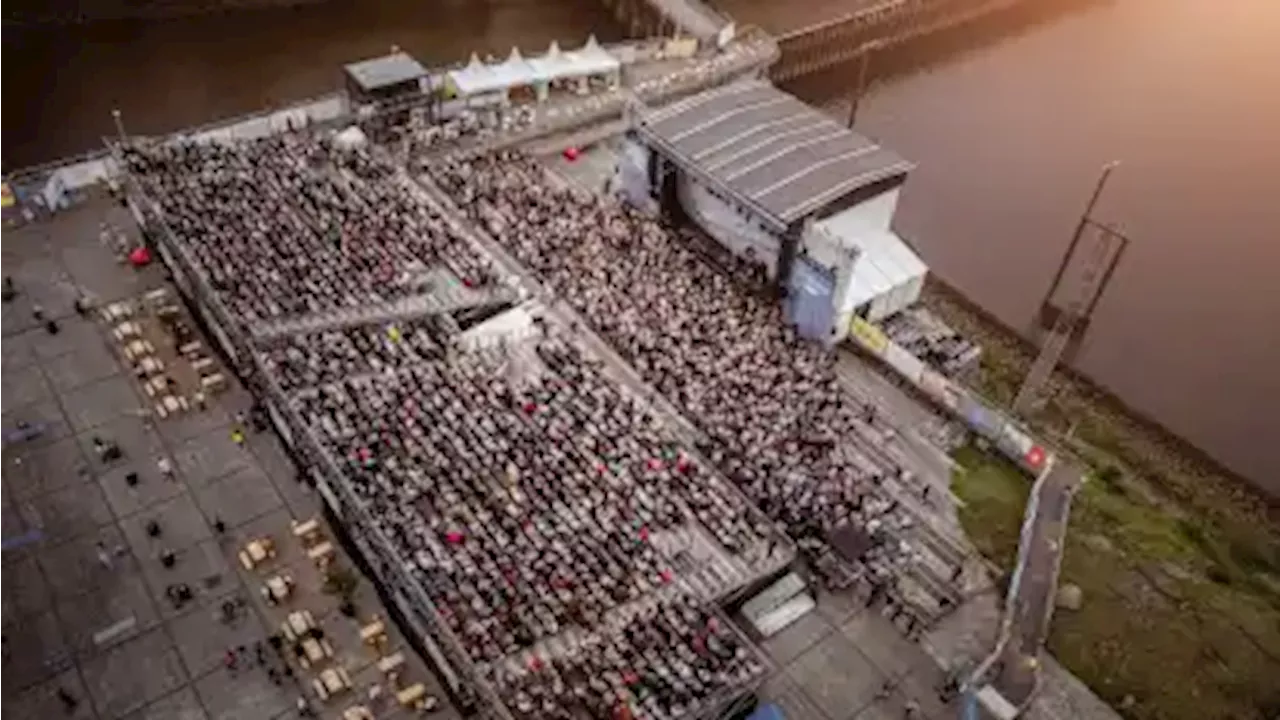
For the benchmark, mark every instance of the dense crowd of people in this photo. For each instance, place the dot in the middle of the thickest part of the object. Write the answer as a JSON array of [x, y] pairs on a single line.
[[293, 224], [530, 501], [533, 497], [778, 421]]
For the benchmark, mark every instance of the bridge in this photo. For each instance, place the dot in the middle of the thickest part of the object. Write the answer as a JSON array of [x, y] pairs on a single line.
[[832, 43]]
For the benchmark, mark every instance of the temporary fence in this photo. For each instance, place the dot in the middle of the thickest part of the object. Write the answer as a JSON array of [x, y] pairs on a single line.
[[1006, 434]]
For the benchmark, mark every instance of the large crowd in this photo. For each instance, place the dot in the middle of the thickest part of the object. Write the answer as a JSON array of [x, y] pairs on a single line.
[[530, 501], [779, 423], [531, 494], [527, 500], [294, 224]]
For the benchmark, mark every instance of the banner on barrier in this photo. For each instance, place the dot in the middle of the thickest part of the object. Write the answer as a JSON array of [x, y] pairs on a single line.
[[941, 390], [900, 359], [868, 336], [1014, 441], [980, 418]]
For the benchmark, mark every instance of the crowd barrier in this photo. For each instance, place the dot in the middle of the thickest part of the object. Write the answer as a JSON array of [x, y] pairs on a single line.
[[1009, 437]]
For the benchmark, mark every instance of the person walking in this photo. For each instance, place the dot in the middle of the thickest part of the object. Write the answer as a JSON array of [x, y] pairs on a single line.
[[104, 557], [165, 466]]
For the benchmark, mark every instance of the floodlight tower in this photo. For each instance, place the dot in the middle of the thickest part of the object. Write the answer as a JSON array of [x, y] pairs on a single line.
[[1067, 323]]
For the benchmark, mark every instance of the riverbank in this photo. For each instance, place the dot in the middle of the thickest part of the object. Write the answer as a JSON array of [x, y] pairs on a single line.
[[1177, 560]]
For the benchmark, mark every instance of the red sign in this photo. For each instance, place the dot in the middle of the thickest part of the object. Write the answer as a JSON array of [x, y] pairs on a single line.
[[1035, 456]]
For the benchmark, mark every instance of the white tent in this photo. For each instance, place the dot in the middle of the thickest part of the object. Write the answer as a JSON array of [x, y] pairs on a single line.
[[476, 78], [515, 71], [597, 58], [589, 61], [479, 78]]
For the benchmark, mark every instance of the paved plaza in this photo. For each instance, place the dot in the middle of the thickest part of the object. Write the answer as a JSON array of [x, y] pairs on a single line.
[[89, 631]]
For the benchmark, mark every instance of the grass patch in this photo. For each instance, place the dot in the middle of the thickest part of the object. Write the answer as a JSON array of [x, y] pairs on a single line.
[[1179, 561], [1180, 620], [994, 492]]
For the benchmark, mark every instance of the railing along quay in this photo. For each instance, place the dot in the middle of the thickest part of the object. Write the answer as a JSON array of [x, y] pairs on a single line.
[[835, 42]]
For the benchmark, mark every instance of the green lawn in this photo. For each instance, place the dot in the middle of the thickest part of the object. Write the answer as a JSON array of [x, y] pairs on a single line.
[[994, 493], [1181, 621]]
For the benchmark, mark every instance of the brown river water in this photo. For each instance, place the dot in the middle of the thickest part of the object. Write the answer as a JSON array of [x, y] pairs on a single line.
[[1008, 136]]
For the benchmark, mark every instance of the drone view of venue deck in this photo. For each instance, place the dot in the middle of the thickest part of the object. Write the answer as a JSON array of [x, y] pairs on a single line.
[[587, 383]]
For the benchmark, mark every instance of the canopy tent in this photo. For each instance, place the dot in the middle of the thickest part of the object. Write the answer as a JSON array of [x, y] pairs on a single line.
[[479, 78], [588, 61]]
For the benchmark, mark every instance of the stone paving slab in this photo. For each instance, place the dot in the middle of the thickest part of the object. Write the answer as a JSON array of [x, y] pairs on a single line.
[[180, 522], [195, 566], [30, 471], [150, 490], [24, 386], [24, 586], [89, 363], [66, 513], [45, 414], [839, 608], [73, 567], [203, 643], [247, 695], [795, 704], [191, 425], [180, 705], [209, 457], [95, 404], [72, 337], [16, 318], [39, 650], [792, 641], [124, 599], [880, 641], [14, 526], [19, 350], [42, 701], [140, 443], [131, 674], [239, 497], [838, 677]]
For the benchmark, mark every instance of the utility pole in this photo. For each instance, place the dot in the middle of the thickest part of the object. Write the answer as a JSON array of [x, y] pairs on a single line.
[[860, 84], [1093, 281]]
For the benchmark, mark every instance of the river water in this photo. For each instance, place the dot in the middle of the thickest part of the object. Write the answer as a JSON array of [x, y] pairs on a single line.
[[1008, 138]]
